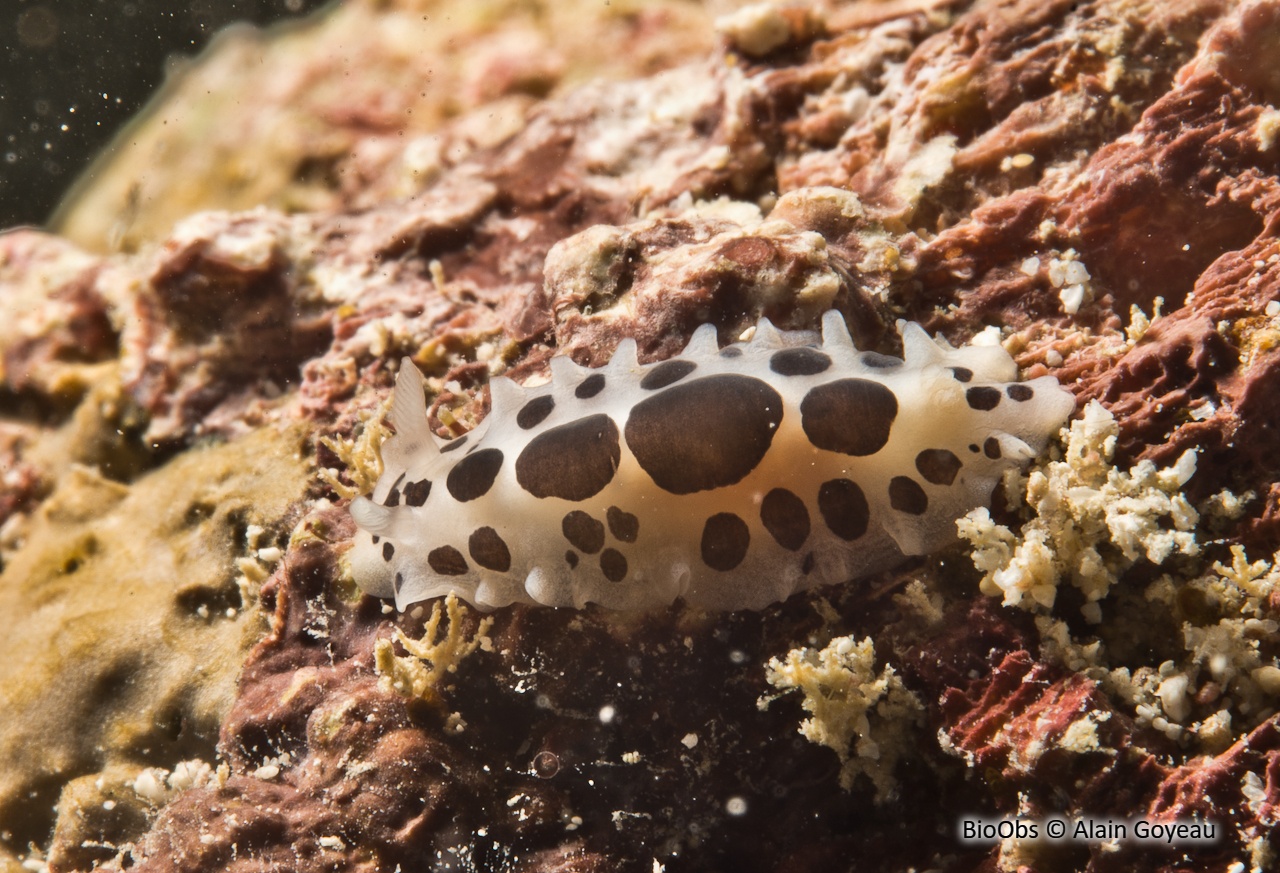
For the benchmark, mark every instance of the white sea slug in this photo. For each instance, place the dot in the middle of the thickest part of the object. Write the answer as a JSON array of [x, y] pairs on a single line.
[[730, 477]]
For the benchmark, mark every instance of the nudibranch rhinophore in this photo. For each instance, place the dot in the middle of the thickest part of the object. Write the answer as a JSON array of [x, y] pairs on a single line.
[[731, 477]]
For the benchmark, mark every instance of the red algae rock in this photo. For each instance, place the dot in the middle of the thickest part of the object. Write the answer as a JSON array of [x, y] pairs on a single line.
[[1033, 173], [317, 137]]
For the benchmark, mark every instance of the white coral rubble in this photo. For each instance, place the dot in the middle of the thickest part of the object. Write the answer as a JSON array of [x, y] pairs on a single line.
[[854, 712], [1092, 522]]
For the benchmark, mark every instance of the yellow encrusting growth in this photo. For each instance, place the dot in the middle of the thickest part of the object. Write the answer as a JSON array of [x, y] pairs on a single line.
[[1257, 579], [1092, 521], [857, 714], [421, 674], [362, 454]]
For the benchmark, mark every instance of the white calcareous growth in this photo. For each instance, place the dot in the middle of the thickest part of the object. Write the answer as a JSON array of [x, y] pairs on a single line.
[[731, 477], [1093, 521]]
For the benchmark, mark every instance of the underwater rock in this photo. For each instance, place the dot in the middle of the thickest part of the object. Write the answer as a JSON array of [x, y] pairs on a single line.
[[318, 138], [1091, 185], [130, 609]]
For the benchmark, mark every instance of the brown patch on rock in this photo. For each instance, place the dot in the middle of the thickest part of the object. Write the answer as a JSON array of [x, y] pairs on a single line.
[[218, 296], [57, 321], [347, 144], [678, 273]]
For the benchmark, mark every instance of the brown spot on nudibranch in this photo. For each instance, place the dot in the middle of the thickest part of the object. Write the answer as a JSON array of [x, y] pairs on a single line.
[[1020, 393], [844, 508], [991, 448], [623, 525], [906, 495], [666, 373], [393, 496], [489, 550], [473, 476], [455, 444], [731, 352], [589, 387], [535, 412], [725, 539], [583, 531], [938, 466], [877, 361], [785, 518], [613, 565], [416, 493], [850, 416], [705, 434], [962, 374], [571, 558], [447, 561], [983, 399], [388, 551], [572, 461], [799, 361]]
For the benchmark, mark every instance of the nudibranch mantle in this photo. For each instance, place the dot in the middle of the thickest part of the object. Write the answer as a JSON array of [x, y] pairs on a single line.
[[732, 478]]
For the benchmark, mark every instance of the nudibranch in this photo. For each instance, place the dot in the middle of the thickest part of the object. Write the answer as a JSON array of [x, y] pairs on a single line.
[[730, 477]]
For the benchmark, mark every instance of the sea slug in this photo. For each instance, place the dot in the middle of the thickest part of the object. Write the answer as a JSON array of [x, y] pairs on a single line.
[[729, 477]]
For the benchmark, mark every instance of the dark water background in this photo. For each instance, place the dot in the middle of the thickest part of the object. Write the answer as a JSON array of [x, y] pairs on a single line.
[[72, 72]]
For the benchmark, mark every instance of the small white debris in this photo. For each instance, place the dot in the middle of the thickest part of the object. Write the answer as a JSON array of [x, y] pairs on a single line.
[[1267, 678], [689, 740], [736, 806], [1203, 411], [755, 30], [149, 785], [1030, 266], [334, 843], [631, 757], [267, 772], [1173, 697], [607, 712], [270, 555], [1072, 297], [190, 774], [988, 336], [1254, 792], [1071, 277]]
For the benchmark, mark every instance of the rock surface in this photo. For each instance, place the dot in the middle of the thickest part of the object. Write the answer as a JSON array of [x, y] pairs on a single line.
[[1095, 184]]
